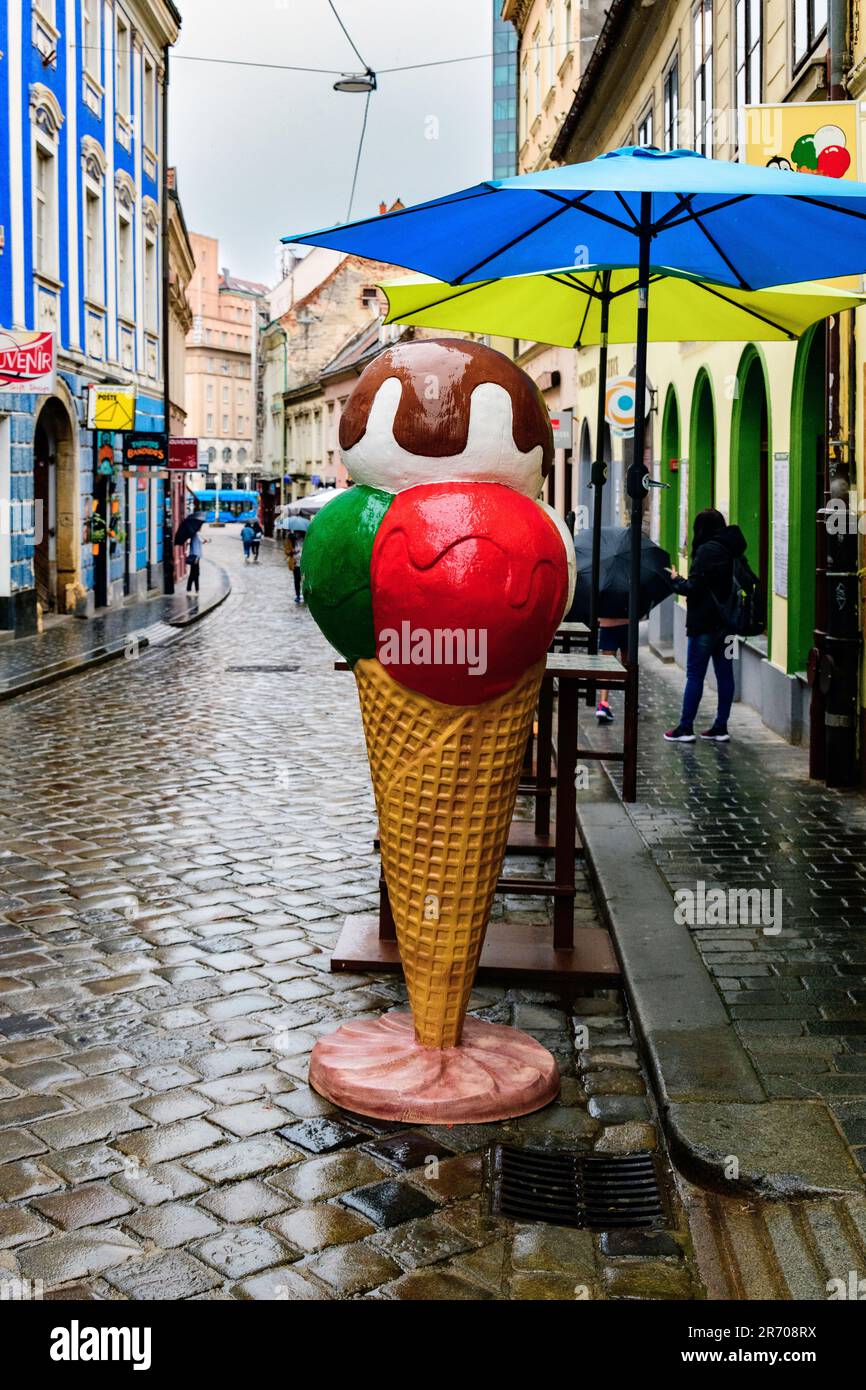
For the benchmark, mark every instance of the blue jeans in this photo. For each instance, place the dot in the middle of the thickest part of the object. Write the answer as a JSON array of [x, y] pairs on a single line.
[[709, 646]]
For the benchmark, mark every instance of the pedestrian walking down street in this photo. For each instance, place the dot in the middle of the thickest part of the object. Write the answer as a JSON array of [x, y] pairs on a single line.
[[293, 558], [612, 641], [247, 536], [193, 560], [715, 549], [258, 532]]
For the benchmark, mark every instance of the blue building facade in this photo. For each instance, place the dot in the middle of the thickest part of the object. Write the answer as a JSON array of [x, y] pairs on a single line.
[[81, 190]]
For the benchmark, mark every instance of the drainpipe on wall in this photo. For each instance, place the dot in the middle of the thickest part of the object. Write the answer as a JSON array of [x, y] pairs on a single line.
[[837, 612], [167, 528]]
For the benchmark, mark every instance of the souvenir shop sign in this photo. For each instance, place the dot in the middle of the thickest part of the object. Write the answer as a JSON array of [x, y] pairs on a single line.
[[28, 362], [183, 453]]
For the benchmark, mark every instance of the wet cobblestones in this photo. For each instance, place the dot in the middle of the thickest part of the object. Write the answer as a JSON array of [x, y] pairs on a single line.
[[180, 843], [744, 815]]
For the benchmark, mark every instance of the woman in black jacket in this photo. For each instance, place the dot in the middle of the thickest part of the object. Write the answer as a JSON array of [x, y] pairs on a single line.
[[715, 547]]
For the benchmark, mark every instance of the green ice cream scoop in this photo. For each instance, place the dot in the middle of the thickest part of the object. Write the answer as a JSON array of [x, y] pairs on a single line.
[[336, 566]]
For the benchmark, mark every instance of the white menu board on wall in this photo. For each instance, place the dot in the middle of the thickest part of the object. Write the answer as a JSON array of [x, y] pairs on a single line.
[[781, 484], [684, 504]]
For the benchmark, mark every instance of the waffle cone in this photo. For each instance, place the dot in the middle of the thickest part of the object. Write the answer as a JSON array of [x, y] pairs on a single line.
[[445, 780]]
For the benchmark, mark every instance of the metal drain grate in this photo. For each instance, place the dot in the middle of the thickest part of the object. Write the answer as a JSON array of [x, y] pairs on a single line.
[[588, 1191], [274, 669]]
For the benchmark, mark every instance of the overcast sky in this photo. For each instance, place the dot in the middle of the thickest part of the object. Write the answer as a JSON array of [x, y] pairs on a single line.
[[263, 153]]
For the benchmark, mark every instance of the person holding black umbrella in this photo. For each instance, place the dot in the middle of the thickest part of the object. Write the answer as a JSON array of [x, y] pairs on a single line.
[[716, 549], [189, 533]]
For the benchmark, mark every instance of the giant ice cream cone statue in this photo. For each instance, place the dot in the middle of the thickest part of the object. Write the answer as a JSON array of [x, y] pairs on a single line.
[[442, 581]]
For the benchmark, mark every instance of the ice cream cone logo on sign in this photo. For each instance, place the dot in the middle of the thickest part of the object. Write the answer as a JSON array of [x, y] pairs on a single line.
[[442, 580]]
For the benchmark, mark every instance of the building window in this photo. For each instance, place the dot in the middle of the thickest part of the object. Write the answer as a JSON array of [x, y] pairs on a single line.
[[551, 44], [225, 424], [94, 244], [45, 210], [151, 299], [524, 84], [671, 105], [225, 395], [702, 24], [748, 51], [810, 22], [645, 128], [121, 68], [536, 45], [149, 82], [210, 392], [567, 22], [210, 430], [125, 268], [90, 38]]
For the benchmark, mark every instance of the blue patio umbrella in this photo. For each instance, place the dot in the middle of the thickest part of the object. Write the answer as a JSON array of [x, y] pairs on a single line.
[[736, 224]]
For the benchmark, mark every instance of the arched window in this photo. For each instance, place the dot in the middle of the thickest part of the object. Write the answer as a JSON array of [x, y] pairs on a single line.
[[702, 449], [750, 463], [808, 446]]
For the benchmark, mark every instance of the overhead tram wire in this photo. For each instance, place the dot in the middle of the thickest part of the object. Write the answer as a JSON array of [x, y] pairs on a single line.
[[352, 43], [331, 72]]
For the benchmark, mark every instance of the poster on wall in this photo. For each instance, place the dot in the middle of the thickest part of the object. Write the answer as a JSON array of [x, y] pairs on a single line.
[[810, 137], [781, 478], [684, 504]]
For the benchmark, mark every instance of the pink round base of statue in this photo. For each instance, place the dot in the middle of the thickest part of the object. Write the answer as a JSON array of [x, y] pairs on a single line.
[[376, 1067]]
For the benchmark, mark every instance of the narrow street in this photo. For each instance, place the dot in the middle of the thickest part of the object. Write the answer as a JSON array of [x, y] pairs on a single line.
[[172, 879]]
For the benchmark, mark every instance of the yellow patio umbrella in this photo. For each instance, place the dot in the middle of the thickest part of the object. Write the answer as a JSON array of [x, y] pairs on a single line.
[[567, 308], [581, 308]]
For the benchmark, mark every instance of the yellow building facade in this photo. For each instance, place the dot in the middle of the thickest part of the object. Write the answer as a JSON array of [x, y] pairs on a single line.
[[740, 426]]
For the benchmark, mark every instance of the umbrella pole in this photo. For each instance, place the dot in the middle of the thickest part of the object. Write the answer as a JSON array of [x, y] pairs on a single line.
[[599, 468], [636, 490]]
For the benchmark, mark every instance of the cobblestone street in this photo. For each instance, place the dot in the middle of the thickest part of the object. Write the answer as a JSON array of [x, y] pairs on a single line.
[[184, 833]]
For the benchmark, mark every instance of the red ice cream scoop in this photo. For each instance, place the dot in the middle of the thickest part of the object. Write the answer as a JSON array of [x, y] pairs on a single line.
[[469, 583]]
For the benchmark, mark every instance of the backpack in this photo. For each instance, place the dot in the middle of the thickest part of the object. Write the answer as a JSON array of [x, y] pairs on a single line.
[[743, 611]]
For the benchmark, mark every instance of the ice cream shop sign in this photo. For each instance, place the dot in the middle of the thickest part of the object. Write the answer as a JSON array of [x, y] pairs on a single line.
[[28, 362]]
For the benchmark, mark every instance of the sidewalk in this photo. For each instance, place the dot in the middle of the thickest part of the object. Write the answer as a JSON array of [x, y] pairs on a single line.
[[69, 645], [756, 1037]]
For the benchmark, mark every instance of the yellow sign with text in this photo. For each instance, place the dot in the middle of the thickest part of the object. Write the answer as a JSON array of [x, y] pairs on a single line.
[[109, 409]]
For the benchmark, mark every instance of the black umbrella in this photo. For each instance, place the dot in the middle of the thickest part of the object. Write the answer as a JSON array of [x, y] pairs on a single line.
[[614, 574], [188, 528]]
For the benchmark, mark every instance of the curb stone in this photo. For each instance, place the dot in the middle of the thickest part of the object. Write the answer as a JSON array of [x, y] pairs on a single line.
[[711, 1101], [167, 629]]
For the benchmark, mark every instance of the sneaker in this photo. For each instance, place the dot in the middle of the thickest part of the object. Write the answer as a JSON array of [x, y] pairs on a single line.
[[717, 734], [604, 714], [297, 600], [680, 735]]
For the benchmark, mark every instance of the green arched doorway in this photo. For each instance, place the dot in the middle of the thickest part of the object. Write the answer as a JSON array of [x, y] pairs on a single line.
[[808, 446], [702, 448], [669, 524], [750, 464]]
